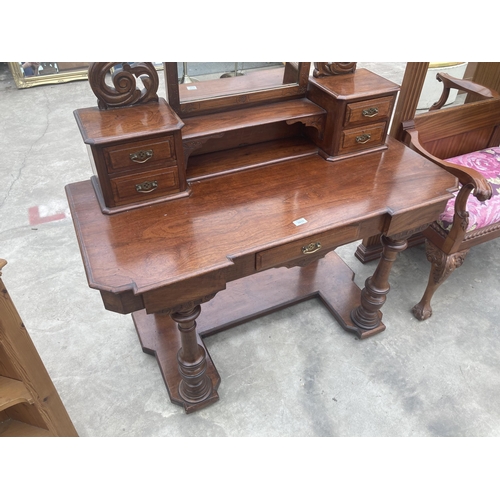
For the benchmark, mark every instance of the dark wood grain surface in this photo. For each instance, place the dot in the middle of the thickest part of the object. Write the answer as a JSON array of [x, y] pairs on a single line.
[[252, 211], [358, 85], [127, 123], [259, 115]]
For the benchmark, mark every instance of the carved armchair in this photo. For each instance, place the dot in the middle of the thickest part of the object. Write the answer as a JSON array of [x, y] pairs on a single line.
[[464, 141]]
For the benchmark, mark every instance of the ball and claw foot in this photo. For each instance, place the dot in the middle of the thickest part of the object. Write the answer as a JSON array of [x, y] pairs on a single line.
[[422, 311]]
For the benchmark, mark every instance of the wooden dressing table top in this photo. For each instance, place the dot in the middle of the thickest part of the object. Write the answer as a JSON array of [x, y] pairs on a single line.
[[227, 220]]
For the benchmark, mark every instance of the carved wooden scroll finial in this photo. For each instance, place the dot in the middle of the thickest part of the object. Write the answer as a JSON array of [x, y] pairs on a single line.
[[125, 91], [333, 68]]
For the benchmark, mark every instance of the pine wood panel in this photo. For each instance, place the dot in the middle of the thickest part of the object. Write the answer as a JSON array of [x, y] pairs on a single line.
[[13, 392], [20, 361], [14, 428]]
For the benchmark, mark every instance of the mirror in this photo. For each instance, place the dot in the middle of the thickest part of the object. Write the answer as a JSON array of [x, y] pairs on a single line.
[[200, 87], [30, 74], [158, 66]]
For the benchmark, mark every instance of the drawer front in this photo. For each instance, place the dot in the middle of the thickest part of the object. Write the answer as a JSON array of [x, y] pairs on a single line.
[[144, 186], [140, 154], [368, 111], [363, 137], [301, 249]]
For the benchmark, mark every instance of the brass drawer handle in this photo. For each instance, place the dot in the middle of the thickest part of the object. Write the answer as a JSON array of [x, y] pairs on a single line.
[[146, 186], [363, 139], [311, 248], [142, 156], [370, 112]]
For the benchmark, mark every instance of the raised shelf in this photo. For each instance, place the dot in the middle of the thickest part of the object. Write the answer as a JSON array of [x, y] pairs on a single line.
[[13, 392], [257, 155], [297, 110]]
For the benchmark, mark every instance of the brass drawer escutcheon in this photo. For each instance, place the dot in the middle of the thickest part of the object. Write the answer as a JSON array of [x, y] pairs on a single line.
[[311, 248], [370, 112], [146, 186], [142, 156], [363, 139], [299, 252], [358, 113]]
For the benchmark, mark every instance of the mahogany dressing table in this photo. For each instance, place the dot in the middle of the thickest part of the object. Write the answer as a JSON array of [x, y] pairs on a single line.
[[236, 205]]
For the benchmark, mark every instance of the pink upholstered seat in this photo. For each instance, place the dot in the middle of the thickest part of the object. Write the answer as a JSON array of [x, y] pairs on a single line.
[[481, 214]]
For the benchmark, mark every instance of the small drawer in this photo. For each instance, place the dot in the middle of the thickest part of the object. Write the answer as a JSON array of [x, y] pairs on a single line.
[[363, 137], [143, 186], [140, 153], [301, 249], [368, 111]]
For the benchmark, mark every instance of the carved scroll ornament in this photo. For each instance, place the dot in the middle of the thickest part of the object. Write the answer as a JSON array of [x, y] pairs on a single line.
[[125, 91], [333, 68]]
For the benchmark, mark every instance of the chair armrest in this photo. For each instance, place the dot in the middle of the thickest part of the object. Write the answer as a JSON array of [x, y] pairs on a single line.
[[466, 176], [450, 82]]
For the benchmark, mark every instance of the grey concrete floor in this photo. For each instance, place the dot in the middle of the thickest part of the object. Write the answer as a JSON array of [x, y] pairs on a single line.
[[281, 374]]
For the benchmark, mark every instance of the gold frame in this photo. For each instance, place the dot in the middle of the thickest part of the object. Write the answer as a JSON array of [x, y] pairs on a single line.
[[23, 82]]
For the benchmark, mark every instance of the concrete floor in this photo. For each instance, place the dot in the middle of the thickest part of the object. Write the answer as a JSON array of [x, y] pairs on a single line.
[[433, 378]]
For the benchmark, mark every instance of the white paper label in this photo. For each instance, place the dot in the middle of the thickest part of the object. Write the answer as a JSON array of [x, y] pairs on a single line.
[[299, 222]]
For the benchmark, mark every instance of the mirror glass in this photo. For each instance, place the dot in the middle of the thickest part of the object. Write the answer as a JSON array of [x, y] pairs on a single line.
[[29, 74], [202, 80]]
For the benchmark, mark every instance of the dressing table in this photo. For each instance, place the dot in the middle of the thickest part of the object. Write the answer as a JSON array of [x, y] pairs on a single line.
[[208, 209]]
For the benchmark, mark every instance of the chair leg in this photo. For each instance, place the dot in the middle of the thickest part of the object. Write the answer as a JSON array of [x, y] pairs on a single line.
[[442, 265]]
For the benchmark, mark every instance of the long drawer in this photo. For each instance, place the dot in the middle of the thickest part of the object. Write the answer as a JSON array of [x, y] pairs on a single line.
[[302, 248]]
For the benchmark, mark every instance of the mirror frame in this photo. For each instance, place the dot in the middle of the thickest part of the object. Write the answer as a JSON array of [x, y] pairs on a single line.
[[23, 82], [224, 103]]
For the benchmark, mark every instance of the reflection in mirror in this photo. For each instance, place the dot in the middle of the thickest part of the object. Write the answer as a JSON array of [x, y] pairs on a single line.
[[200, 80], [197, 88], [158, 66], [30, 74]]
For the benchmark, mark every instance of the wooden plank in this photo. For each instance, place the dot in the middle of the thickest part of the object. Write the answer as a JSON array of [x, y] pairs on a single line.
[[25, 364], [246, 157], [218, 123]]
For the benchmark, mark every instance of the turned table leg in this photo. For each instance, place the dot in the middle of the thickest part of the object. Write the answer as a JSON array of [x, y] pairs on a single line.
[[367, 315], [195, 385]]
